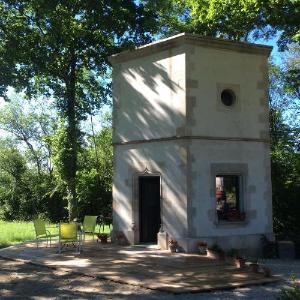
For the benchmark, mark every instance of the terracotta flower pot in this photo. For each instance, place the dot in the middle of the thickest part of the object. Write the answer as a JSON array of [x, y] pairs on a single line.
[[254, 267], [222, 256], [267, 271], [212, 254], [216, 254], [202, 250], [173, 248], [240, 263], [102, 237]]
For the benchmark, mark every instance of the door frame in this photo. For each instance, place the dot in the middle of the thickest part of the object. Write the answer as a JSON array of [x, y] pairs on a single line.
[[141, 199], [136, 202]]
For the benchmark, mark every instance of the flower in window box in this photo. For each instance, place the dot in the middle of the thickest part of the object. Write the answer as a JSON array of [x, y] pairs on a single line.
[[235, 215]]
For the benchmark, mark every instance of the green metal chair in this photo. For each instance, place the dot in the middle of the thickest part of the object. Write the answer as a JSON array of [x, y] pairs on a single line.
[[89, 226], [41, 232], [69, 235]]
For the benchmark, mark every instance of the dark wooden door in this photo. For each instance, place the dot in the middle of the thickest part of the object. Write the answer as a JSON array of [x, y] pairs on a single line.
[[149, 200]]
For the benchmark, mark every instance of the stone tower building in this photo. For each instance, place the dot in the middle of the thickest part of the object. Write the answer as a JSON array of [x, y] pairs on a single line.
[[191, 143]]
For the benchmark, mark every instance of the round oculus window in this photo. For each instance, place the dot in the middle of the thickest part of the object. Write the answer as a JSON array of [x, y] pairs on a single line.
[[228, 97]]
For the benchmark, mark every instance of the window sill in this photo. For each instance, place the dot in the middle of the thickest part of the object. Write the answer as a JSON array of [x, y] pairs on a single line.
[[231, 223]]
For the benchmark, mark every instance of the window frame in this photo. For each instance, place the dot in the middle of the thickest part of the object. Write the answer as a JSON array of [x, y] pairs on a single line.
[[239, 195], [235, 89], [240, 170]]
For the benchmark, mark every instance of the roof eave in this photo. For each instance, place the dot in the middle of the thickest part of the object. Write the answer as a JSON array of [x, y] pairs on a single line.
[[187, 38]]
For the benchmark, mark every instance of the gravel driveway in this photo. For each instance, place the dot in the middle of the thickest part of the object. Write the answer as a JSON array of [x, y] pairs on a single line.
[[26, 281]]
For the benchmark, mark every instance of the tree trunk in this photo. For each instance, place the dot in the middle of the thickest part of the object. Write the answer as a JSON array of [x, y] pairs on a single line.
[[96, 150], [34, 154], [72, 135]]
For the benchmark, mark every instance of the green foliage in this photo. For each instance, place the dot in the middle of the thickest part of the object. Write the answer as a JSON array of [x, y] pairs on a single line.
[[24, 193], [31, 124], [60, 147], [50, 38], [15, 232], [290, 293], [12, 172], [234, 19], [233, 252], [27, 192], [285, 156], [227, 19], [215, 247], [60, 49], [291, 69], [285, 87], [285, 180], [95, 176]]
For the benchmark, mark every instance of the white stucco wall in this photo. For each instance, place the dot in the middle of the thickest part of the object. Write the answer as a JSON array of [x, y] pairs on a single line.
[[149, 96], [255, 193], [211, 70], [169, 161]]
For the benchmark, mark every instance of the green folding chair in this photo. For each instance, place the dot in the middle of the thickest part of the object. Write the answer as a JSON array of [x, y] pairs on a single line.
[[41, 232], [89, 226], [69, 235]]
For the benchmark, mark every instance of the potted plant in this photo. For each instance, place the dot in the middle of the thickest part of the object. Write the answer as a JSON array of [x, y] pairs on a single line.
[[173, 245], [202, 247], [254, 266], [266, 271], [216, 252], [102, 237], [239, 261], [121, 239]]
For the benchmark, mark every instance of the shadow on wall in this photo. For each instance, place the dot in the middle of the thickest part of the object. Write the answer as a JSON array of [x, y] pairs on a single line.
[[148, 99], [169, 165], [149, 102]]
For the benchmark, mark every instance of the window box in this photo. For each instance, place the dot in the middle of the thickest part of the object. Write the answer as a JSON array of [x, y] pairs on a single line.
[[236, 216]]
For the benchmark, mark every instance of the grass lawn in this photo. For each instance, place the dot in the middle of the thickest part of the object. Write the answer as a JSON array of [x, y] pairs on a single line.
[[17, 232]]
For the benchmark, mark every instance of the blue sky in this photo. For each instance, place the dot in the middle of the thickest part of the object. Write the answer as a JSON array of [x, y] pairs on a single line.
[[276, 56]]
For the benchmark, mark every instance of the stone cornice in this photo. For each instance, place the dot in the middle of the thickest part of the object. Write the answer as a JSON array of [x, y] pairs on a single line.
[[179, 138], [186, 38]]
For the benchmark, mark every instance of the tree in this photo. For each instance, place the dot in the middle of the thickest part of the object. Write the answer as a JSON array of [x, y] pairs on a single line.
[[285, 156], [60, 50], [285, 160], [235, 19], [12, 170], [31, 125], [290, 73], [95, 174], [25, 194]]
